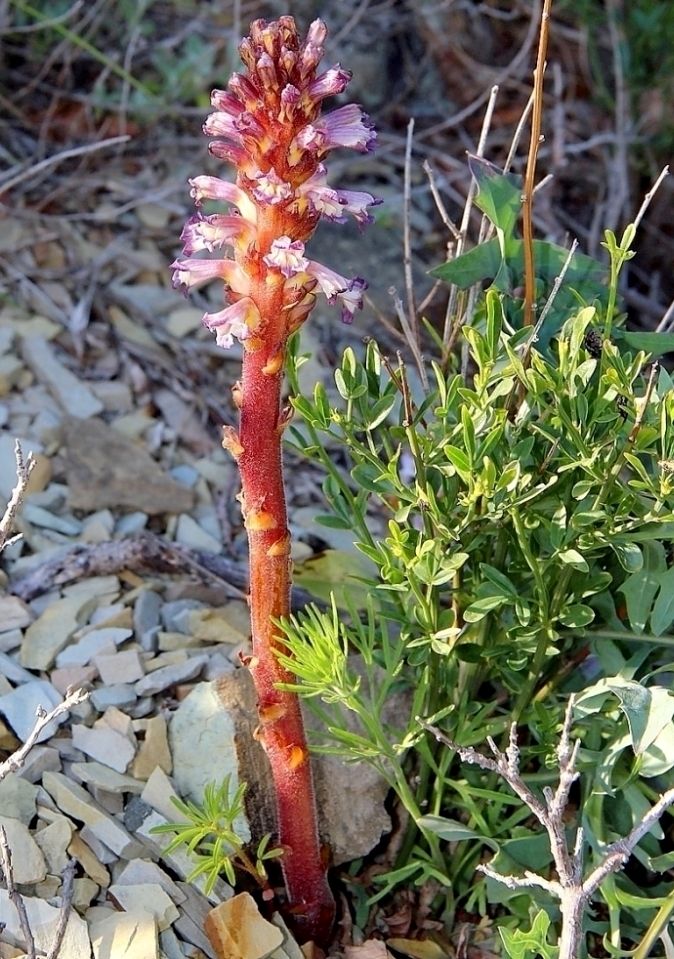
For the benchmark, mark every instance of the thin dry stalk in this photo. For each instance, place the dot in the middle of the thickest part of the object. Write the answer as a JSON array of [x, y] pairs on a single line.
[[67, 892], [23, 470], [534, 144], [407, 235], [58, 158], [14, 895]]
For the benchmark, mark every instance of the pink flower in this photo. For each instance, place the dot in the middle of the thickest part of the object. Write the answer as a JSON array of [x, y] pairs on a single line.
[[347, 126], [213, 232], [238, 320], [213, 188], [190, 273], [270, 188], [287, 256], [334, 204]]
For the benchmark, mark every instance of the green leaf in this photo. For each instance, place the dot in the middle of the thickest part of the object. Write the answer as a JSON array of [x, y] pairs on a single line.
[[662, 615], [333, 522], [451, 830], [479, 264], [629, 556], [380, 410], [519, 944], [641, 587], [577, 616], [479, 609], [656, 344], [571, 557], [499, 194], [335, 571], [459, 461], [648, 711]]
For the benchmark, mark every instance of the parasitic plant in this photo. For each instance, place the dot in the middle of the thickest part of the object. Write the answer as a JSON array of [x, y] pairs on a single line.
[[272, 131]]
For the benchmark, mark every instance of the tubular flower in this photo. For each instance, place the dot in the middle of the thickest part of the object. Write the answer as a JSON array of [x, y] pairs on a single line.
[[269, 126]]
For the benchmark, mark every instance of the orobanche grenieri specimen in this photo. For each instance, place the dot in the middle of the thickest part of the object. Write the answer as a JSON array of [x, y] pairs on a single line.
[[271, 129]]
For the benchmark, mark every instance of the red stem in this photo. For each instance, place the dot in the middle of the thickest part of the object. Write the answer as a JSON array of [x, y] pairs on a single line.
[[281, 727]]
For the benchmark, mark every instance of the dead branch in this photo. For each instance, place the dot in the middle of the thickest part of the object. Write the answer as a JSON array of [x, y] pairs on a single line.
[[14, 895], [23, 470], [17, 759], [570, 888]]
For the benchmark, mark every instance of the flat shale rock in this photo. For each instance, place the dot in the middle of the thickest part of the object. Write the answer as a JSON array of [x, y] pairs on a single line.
[[238, 931], [50, 633], [201, 736], [131, 935], [107, 470], [43, 920], [28, 862], [72, 394]]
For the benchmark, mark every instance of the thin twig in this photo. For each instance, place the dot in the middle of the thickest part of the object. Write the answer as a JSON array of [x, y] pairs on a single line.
[[67, 892], [17, 759], [14, 895], [23, 470], [407, 234], [534, 143], [59, 157], [446, 219], [649, 196]]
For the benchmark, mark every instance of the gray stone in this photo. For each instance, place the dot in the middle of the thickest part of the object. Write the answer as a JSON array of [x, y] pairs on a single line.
[[75, 801], [13, 672], [191, 534], [38, 761], [14, 613], [43, 920], [19, 708], [131, 523], [97, 774], [38, 516], [81, 653], [201, 737], [11, 640], [146, 612], [115, 668], [121, 695], [71, 394], [53, 841], [174, 615], [27, 861], [161, 679], [185, 474], [106, 745], [51, 632], [17, 798]]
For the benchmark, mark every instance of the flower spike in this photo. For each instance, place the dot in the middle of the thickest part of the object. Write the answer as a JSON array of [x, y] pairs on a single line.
[[269, 125]]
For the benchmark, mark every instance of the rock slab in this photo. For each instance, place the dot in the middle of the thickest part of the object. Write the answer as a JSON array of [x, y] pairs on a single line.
[[106, 470]]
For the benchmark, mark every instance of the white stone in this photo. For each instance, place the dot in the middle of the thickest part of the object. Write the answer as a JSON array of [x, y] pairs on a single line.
[[125, 935], [72, 394], [105, 777], [237, 930], [148, 896], [191, 534], [27, 861], [43, 920], [106, 745], [202, 740], [54, 840], [143, 871]]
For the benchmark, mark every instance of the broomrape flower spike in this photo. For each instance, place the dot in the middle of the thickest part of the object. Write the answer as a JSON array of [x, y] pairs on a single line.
[[269, 124]]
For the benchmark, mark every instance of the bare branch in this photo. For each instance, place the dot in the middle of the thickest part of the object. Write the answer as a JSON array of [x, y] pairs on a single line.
[[23, 470], [67, 892], [14, 895], [17, 759]]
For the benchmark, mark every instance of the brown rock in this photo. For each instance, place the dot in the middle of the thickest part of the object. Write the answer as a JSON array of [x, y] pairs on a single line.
[[238, 931], [106, 470]]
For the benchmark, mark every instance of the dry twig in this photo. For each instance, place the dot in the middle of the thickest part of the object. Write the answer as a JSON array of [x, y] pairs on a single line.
[[23, 471], [14, 895], [571, 889]]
